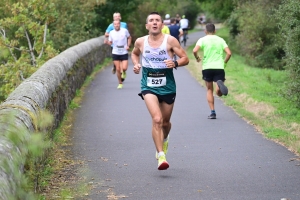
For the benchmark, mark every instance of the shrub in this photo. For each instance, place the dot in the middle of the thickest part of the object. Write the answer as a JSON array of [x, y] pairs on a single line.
[[254, 28], [288, 16]]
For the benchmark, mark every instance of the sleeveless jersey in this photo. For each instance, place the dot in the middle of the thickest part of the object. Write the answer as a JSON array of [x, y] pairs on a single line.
[[156, 77]]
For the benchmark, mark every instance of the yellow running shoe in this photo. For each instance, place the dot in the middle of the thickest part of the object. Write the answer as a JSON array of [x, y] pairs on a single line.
[[120, 86], [165, 147], [123, 75], [162, 163]]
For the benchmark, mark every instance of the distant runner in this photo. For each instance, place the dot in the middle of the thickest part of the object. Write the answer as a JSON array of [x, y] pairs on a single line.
[[116, 16], [121, 41], [175, 31], [213, 64]]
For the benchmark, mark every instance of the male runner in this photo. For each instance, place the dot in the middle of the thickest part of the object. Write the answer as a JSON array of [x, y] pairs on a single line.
[[167, 20], [175, 30], [184, 23], [165, 29], [116, 16], [158, 84], [177, 18], [121, 40], [213, 65]]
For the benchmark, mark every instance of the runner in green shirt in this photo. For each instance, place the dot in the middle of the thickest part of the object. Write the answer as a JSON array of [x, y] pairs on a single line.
[[213, 64]]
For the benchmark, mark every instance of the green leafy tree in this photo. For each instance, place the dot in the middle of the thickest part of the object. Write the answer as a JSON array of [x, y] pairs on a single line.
[[105, 11], [25, 35], [255, 32], [74, 22], [219, 9], [288, 17]]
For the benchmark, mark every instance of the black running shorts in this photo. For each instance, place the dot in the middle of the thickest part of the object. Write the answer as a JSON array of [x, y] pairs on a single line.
[[210, 75], [120, 57], [168, 98]]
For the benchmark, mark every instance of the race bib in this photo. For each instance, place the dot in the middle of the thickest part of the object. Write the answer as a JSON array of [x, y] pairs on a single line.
[[120, 49], [157, 79]]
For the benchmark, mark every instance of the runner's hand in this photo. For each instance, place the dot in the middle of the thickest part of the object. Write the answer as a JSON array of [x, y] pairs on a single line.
[[169, 63], [136, 68]]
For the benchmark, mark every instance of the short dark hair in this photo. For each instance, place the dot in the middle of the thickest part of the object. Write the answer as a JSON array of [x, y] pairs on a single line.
[[117, 21], [173, 20], [210, 28], [153, 13]]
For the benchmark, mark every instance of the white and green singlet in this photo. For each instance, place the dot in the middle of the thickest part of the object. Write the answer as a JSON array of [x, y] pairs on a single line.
[[156, 77]]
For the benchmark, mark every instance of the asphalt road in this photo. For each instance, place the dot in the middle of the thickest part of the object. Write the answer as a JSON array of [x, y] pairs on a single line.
[[209, 159]]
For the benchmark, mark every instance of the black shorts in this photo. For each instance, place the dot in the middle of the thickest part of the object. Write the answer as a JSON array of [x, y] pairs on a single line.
[[210, 75], [120, 57], [168, 98]]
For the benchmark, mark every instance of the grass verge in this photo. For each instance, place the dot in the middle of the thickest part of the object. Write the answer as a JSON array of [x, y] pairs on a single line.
[[256, 94], [60, 179]]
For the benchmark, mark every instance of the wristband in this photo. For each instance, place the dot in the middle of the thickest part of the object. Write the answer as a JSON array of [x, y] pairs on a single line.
[[175, 63]]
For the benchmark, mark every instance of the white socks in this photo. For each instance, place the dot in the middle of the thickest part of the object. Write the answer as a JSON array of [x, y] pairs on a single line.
[[161, 154]]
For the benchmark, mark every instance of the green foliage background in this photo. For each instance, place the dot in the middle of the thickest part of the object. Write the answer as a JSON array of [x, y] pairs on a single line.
[[288, 16]]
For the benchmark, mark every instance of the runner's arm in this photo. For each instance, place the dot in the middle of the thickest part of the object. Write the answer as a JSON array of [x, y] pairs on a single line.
[[179, 51], [106, 35], [129, 39], [107, 31], [228, 54], [109, 40], [180, 32], [129, 42], [195, 52], [135, 55]]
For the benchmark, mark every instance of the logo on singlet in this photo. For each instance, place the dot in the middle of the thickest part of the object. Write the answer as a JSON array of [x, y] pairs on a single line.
[[162, 52], [155, 59], [147, 51]]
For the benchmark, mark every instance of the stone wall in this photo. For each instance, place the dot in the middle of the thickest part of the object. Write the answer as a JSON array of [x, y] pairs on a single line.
[[51, 87]]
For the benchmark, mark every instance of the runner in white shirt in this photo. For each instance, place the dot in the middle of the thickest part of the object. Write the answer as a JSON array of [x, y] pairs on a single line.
[[184, 25], [121, 40], [116, 16]]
